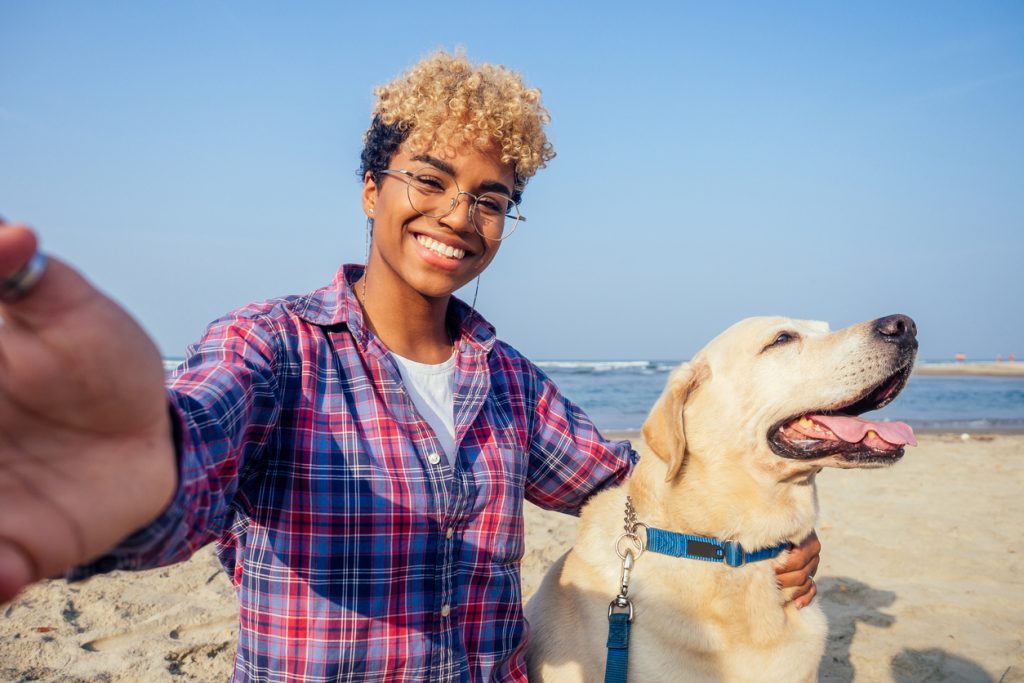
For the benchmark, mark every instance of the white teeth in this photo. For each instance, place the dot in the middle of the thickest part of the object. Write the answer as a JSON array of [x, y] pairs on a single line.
[[441, 249]]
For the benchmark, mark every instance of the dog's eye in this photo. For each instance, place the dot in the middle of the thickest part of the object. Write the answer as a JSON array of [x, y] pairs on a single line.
[[783, 338]]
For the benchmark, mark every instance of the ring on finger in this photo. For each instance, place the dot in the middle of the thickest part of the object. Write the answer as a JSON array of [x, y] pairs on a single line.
[[19, 284]]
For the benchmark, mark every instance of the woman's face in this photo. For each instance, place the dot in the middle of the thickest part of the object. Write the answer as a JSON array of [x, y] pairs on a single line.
[[406, 244]]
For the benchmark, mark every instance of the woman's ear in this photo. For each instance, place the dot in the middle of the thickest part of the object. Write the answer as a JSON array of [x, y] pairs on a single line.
[[664, 431], [369, 194]]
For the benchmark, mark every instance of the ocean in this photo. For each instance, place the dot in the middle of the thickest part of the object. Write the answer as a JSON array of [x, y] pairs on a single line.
[[617, 395]]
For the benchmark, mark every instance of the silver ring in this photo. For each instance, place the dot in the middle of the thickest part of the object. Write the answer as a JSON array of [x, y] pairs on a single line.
[[19, 284]]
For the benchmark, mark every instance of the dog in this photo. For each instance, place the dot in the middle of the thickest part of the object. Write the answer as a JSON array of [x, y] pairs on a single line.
[[733, 447]]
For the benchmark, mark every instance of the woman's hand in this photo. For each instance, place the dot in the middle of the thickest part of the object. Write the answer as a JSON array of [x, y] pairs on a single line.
[[86, 449], [798, 571]]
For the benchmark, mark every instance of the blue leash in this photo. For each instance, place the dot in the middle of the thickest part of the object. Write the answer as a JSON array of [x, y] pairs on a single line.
[[620, 611]]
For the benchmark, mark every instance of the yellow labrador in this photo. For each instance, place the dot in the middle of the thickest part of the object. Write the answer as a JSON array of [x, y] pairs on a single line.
[[737, 438]]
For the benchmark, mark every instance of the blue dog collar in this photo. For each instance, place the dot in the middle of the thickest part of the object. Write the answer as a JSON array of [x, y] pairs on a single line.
[[708, 549]]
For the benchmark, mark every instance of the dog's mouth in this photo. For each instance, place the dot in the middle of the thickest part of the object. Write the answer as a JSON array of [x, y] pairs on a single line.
[[838, 431]]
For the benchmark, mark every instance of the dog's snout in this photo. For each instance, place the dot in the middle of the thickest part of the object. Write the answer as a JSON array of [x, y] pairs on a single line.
[[896, 329]]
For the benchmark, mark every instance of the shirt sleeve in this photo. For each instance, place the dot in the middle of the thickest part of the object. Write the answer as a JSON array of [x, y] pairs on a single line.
[[569, 459], [225, 403]]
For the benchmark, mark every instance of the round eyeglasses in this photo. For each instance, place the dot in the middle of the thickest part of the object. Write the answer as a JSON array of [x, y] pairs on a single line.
[[435, 194]]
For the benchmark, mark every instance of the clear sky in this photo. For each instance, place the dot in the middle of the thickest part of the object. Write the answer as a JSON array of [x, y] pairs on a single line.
[[836, 161]]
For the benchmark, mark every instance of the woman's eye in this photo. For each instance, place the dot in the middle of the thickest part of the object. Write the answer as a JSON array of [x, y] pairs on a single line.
[[492, 205], [429, 182]]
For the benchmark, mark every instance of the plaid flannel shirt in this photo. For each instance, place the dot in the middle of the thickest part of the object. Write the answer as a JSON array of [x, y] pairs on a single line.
[[358, 552]]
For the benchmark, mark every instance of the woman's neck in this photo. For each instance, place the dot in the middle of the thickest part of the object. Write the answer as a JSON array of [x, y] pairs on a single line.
[[409, 324]]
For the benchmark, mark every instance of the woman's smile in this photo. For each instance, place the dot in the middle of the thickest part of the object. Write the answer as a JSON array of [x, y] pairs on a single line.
[[442, 248]]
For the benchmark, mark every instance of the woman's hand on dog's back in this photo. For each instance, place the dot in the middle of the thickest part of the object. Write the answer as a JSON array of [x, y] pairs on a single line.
[[86, 450]]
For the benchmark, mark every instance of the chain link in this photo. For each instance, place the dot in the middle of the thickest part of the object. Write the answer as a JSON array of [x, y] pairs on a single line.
[[630, 526], [630, 519], [629, 553]]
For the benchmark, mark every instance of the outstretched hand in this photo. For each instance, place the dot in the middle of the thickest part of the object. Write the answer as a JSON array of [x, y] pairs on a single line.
[[797, 572], [86, 451]]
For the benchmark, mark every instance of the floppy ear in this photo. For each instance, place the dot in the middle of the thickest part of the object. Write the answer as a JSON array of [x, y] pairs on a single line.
[[664, 431]]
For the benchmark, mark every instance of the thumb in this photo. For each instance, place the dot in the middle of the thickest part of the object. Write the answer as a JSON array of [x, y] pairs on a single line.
[[59, 289], [16, 571], [17, 245]]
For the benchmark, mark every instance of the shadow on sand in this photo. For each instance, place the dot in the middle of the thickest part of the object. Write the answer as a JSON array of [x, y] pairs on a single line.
[[847, 603]]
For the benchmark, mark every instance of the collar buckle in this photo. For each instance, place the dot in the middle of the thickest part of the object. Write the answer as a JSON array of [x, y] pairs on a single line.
[[733, 553]]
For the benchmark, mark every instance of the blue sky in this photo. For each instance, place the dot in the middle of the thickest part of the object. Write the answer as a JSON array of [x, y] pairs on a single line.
[[715, 161]]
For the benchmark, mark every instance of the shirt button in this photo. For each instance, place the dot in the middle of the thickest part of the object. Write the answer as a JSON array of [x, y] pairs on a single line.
[[445, 610], [449, 533], [433, 458]]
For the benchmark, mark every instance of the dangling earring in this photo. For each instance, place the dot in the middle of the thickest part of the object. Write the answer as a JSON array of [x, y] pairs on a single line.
[[366, 266], [475, 292]]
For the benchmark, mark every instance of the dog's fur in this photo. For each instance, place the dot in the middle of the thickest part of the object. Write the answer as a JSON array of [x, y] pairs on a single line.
[[710, 470]]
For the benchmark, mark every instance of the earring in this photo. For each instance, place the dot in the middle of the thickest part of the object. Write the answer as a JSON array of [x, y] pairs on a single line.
[[475, 292], [369, 238]]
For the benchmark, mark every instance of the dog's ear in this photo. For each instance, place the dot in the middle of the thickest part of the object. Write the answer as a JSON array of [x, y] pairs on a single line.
[[664, 432]]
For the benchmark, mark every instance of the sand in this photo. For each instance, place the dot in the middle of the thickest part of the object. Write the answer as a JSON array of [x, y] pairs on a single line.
[[1002, 369], [921, 579]]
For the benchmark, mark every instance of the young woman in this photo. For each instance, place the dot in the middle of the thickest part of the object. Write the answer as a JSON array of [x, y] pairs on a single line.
[[360, 454]]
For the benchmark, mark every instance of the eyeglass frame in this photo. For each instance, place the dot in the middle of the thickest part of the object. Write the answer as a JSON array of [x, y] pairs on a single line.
[[411, 175]]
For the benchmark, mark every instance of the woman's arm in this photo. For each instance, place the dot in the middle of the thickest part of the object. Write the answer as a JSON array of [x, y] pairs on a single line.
[[225, 402]]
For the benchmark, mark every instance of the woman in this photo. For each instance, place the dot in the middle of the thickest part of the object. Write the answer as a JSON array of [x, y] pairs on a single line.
[[360, 454]]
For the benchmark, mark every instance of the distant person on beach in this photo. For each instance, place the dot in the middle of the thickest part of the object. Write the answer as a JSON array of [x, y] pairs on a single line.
[[360, 454]]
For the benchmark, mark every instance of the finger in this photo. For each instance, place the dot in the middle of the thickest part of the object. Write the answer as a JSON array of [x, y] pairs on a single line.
[[793, 561], [812, 544], [59, 289], [16, 571], [800, 556], [799, 576], [17, 245], [800, 592], [808, 597]]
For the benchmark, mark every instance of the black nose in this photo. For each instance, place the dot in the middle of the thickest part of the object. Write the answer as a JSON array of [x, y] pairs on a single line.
[[897, 329]]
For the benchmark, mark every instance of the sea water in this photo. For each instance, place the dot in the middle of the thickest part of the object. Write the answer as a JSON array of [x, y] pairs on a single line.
[[618, 394]]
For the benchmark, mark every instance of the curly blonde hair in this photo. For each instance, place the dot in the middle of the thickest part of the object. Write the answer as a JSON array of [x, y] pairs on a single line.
[[444, 98]]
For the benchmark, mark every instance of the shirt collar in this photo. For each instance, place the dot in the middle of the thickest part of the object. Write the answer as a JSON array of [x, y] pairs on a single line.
[[336, 304]]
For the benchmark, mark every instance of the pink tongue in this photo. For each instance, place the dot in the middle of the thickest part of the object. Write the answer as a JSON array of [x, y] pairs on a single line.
[[854, 429]]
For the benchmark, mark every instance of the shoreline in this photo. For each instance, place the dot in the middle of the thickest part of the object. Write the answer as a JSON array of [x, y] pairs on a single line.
[[986, 369]]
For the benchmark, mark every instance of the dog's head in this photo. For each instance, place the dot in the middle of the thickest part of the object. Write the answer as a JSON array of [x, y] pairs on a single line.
[[788, 394]]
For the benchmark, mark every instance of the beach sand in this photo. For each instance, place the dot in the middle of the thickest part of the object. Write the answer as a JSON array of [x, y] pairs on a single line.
[[1003, 369], [921, 579]]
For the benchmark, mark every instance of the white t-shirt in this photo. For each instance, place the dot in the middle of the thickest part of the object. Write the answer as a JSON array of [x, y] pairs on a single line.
[[432, 390]]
